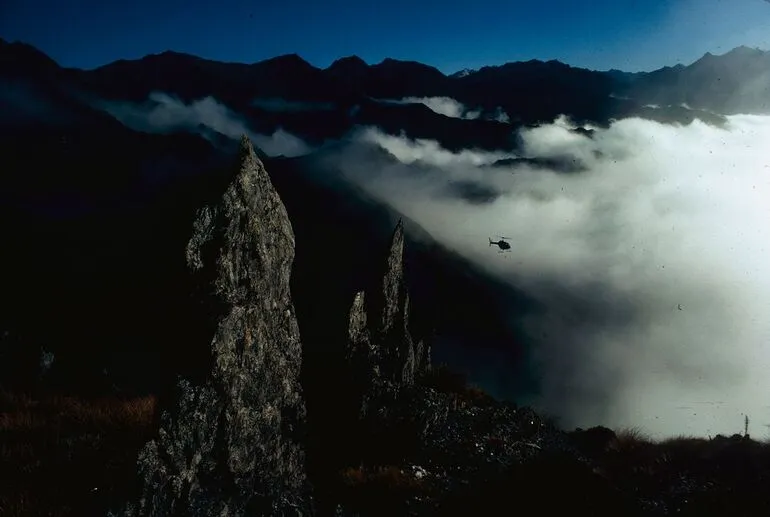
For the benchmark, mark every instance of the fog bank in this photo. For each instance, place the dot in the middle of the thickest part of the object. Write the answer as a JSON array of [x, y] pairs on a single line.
[[654, 262]]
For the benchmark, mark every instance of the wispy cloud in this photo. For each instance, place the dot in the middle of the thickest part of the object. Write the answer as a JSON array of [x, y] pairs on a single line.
[[428, 152], [445, 106], [165, 113], [450, 107], [500, 116], [653, 263]]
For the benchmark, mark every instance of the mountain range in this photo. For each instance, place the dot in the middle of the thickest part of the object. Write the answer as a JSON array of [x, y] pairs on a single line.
[[320, 104]]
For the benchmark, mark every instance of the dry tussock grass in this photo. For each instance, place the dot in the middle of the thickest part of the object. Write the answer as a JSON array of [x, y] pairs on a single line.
[[634, 453], [20, 412], [630, 440], [62, 455]]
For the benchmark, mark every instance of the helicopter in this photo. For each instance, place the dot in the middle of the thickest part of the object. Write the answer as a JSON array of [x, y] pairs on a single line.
[[502, 244]]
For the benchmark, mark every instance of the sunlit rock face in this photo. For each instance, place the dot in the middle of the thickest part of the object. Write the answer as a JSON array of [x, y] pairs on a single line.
[[231, 446]]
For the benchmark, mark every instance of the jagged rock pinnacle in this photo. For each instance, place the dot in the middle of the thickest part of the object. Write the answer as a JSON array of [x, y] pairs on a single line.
[[379, 335], [393, 283], [230, 447]]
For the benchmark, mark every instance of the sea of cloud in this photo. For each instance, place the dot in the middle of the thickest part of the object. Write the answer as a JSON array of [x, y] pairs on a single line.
[[654, 262]]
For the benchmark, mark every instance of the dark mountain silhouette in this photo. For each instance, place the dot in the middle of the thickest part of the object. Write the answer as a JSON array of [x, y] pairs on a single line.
[[21, 58], [351, 70], [190, 78], [558, 88], [394, 79], [419, 121], [528, 92]]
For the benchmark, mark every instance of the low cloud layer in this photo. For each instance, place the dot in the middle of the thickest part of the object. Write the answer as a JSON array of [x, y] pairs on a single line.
[[653, 263], [163, 113], [444, 106], [427, 152], [451, 108]]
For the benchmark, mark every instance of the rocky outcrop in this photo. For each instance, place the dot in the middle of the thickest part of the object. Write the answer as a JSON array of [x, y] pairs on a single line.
[[232, 445], [381, 351]]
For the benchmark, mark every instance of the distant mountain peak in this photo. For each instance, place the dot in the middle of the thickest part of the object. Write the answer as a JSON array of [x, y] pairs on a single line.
[[24, 54], [293, 56], [348, 66], [290, 60], [393, 65], [165, 56], [740, 52], [349, 61], [170, 53], [744, 50], [389, 61], [463, 73]]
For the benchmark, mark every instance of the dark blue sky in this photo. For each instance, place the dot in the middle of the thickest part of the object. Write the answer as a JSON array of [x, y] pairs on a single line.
[[600, 34]]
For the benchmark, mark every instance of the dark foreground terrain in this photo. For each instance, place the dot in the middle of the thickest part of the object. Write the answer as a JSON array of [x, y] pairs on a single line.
[[354, 419], [67, 456]]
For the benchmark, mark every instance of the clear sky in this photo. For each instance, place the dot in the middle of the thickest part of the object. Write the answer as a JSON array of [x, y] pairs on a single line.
[[599, 34]]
